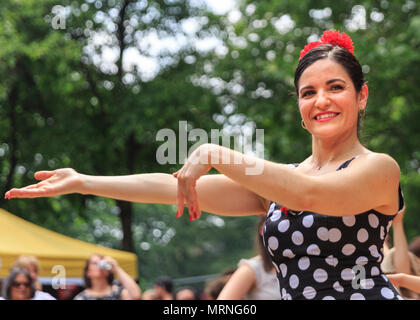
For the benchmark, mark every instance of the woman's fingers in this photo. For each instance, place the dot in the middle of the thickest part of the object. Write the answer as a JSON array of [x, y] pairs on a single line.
[[41, 189], [188, 201], [176, 173], [198, 210], [28, 193], [195, 209], [180, 197], [42, 175], [179, 202], [186, 193], [394, 279], [191, 198], [187, 196]]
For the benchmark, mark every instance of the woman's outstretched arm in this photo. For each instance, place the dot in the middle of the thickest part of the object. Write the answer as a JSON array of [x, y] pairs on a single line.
[[217, 193]]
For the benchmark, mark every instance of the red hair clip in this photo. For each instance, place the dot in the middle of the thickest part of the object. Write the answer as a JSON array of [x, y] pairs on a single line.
[[330, 37]]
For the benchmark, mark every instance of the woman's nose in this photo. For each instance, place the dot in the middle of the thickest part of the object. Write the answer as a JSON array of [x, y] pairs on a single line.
[[322, 100]]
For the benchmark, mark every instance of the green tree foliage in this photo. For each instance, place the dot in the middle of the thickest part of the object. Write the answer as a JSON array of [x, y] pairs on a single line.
[[62, 105], [70, 98]]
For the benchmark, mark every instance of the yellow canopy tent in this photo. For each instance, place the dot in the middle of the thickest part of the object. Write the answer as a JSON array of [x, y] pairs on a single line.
[[18, 236]]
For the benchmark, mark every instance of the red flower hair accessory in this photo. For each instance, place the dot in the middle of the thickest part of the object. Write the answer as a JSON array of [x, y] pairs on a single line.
[[330, 37]]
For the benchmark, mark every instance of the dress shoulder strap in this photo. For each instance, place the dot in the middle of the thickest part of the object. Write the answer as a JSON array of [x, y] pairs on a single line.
[[400, 197], [346, 163]]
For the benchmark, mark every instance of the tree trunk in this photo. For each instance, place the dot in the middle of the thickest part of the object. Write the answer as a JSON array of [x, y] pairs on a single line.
[[126, 220], [130, 145], [12, 102], [120, 36]]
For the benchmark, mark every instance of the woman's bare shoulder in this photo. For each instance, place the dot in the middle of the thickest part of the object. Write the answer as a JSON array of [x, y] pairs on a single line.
[[381, 161]]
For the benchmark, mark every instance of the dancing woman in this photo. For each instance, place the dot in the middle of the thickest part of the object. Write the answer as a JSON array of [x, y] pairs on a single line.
[[342, 198]]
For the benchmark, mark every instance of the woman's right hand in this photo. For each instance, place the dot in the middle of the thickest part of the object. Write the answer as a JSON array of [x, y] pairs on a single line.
[[53, 183]]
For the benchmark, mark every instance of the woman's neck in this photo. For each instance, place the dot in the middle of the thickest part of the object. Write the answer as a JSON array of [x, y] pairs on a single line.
[[328, 151], [99, 285]]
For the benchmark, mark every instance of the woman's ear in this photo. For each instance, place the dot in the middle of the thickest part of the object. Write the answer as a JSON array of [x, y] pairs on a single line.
[[363, 97]]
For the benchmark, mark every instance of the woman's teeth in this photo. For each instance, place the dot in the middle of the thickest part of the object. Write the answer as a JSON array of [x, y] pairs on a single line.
[[326, 115]]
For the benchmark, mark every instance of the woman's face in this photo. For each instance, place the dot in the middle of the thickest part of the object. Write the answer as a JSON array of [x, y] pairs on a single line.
[[328, 101], [93, 270], [21, 288]]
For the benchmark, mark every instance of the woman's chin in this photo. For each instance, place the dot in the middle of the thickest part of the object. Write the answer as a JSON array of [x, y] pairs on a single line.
[[327, 132]]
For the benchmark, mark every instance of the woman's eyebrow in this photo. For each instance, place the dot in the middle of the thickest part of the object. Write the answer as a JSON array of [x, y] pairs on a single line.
[[306, 87], [334, 80]]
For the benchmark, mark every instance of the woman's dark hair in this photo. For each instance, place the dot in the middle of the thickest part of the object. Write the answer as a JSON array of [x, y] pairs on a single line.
[[88, 282], [165, 282], [262, 250], [414, 246], [338, 54], [8, 282]]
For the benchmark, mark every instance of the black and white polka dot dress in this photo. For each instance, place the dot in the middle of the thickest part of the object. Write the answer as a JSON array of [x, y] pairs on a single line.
[[325, 257]]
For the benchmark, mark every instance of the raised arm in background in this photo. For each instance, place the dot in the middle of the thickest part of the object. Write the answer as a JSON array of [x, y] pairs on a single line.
[[401, 259]]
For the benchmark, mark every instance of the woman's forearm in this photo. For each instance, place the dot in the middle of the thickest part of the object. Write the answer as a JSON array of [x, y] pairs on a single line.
[[143, 188], [129, 284], [267, 179]]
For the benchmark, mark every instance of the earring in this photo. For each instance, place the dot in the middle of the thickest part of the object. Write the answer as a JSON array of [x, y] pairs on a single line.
[[303, 124], [362, 113]]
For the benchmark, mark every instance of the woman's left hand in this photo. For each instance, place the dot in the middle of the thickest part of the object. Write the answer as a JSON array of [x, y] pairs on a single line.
[[196, 165], [112, 262], [396, 278]]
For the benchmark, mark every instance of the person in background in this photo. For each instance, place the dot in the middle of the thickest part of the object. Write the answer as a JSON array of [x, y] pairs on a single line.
[[163, 287], [213, 287], [99, 274], [255, 278], [150, 294], [398, 256], [19, 285], [414, 246], [68, 292], [186, 293], [31, 264], [398, 259]]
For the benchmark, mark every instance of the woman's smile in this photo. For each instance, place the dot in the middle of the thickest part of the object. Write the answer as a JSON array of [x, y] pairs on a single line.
[[326, 116]]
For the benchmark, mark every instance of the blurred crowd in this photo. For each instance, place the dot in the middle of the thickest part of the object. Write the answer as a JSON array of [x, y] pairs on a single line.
[[100, 283], [251, 279]]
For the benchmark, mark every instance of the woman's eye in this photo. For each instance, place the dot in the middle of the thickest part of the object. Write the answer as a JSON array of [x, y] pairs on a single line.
[[308, 93], [337, 87]]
